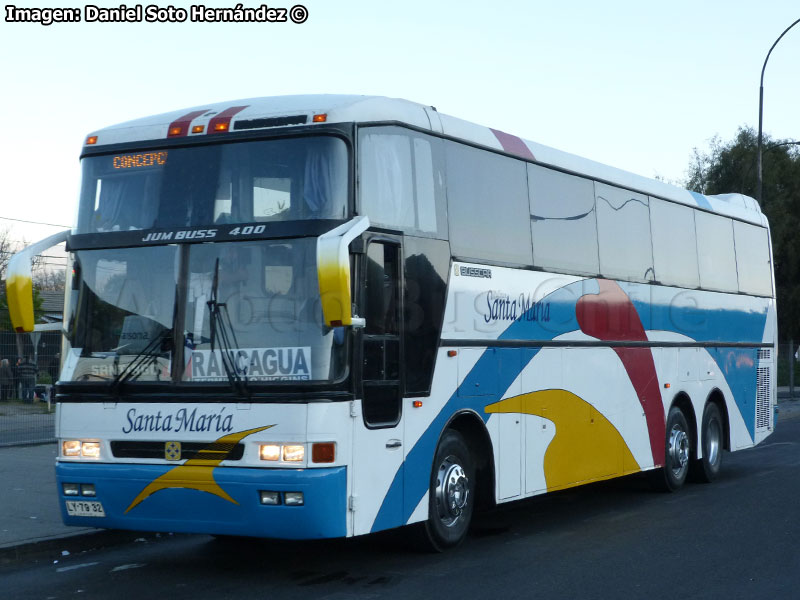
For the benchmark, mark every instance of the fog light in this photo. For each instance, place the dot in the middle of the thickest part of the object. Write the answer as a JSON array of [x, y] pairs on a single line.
[[70, 489], [87, 489], [270, 497], [293, 498], [293, 453], [90, 449], [71, 448], [270, 452]]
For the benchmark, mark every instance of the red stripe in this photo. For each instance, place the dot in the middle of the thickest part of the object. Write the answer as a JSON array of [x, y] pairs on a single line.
[[223, 118], [512, 144], [184, 122], [611, 316]]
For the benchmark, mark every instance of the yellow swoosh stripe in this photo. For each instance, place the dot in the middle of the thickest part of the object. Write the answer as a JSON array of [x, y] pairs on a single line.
[[586, 446], [197, 473]]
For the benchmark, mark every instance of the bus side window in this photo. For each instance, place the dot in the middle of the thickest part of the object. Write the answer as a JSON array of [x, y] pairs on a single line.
[[715, 252], [401, 180], [562, 208], [381, 313], [623, 234], [752, 259]]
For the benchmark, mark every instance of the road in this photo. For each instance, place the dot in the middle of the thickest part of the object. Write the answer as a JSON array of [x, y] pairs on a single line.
[[25, 423], [736, 538]]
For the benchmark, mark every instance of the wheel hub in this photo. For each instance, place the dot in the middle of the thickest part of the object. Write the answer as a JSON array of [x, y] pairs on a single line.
[[678, 449], [452, 491]]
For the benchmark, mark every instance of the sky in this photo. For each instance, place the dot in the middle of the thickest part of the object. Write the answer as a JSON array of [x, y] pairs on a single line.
[[637, 85]]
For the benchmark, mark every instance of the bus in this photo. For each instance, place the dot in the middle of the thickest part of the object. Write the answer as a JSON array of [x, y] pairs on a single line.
[[322, 316]]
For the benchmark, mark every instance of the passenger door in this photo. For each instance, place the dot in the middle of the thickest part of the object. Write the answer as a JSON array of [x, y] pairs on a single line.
[[378, 436]]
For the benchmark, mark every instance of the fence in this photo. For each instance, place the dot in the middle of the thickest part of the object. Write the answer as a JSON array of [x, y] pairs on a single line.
[[788, 367], [29, 421], [33, 422]]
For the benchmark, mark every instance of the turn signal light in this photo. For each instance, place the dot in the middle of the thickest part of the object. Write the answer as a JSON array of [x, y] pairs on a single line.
[[323, 452]]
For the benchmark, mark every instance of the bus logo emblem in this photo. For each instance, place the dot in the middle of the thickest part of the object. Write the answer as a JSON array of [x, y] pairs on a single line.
[[172, 451]]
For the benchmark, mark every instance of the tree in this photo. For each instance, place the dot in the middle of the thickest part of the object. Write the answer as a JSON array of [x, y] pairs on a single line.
[[731, 167]]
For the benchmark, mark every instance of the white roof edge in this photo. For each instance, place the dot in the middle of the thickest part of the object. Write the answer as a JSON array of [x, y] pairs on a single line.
[[364, 108]]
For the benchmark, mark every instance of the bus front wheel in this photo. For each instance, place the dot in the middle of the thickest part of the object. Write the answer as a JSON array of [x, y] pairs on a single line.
[[452, 493]]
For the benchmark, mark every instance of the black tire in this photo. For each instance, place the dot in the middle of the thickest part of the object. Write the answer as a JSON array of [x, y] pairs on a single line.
[[452, 493], [712, 441], [677, 453]]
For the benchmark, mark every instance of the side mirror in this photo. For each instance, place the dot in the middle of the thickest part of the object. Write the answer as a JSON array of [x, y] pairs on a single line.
[[333, 272], [19, 281]]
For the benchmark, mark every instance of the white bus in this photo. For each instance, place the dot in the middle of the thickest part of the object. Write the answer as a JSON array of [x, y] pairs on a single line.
[[319, 316]]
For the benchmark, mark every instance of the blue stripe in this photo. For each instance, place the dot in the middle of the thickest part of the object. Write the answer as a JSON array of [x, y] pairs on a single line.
[[701, 200]]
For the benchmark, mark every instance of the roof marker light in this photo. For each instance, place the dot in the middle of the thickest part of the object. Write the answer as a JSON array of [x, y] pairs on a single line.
[[221, 126], [92, 139], [198, 128], [175, 131], [321, 118]]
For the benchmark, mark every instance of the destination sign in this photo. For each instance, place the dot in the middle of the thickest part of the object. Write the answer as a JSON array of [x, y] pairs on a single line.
[[143, 159]]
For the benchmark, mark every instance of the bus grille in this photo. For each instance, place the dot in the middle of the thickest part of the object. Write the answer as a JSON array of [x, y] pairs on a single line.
[[764, 354], [189, 450], [763, 404]]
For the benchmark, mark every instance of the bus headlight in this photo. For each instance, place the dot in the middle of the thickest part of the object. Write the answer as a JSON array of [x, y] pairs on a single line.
[[90, 449], [79, 448], [269, 451], [71, 448], [294, 453], [283, 452]]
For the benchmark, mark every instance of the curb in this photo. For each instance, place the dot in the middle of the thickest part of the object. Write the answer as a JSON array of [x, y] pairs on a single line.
[[52, 548]]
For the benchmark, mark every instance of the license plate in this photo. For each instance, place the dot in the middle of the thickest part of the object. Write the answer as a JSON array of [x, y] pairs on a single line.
[[82, 508]]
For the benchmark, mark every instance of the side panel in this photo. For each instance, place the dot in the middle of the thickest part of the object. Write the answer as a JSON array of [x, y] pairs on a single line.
[[578, 374]]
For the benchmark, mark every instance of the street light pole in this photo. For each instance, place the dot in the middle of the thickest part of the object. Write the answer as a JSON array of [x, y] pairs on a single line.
[[761, 110]]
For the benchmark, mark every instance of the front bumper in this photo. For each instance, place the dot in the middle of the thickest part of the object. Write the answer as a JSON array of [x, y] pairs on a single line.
[[185, 507]]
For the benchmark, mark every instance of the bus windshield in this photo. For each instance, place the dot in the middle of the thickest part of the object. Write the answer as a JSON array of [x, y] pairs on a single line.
[[261, 181], [139, 305]]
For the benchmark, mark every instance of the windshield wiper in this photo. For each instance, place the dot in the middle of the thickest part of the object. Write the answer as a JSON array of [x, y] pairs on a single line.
[[218, 314], [141, 361]]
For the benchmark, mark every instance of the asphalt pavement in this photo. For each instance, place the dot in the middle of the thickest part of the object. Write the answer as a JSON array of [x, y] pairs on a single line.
[[30, 514]]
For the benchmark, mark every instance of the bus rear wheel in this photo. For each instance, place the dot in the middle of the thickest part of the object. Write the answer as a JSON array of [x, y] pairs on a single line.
[[677, 452], [707, 468], [452, 493]]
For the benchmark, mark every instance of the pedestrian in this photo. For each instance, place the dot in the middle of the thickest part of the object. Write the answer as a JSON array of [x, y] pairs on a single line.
[[6, 380], [16, 393], [27, 372]]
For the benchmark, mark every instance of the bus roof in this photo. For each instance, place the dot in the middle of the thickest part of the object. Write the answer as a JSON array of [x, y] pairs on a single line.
[[283, 111]]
